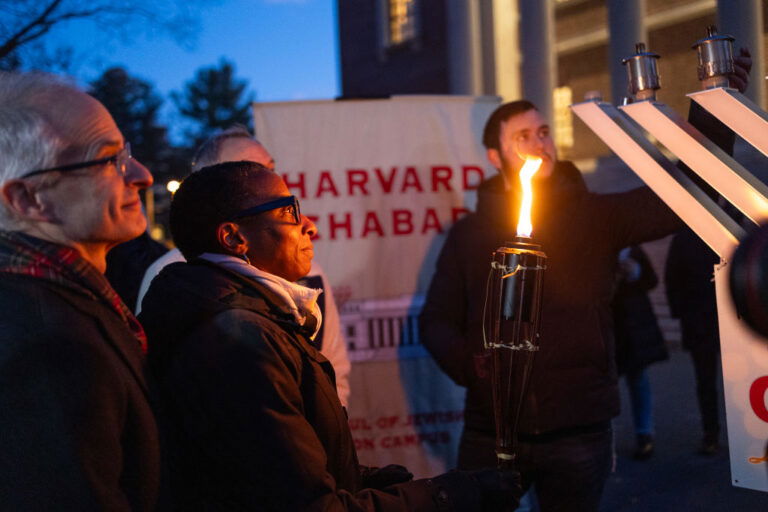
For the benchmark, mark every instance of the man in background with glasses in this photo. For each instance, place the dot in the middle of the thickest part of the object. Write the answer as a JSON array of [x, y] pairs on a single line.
[[76, 428]]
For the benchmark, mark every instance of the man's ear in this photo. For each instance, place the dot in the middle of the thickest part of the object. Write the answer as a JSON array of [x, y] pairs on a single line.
[[231, 239], [21, 198], [494, 157]]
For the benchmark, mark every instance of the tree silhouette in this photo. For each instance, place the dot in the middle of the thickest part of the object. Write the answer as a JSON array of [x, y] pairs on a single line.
[[135, 106], [213, 100]]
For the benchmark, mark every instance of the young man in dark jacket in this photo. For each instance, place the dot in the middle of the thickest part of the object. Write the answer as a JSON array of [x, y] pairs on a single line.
[[257, 423], [565, 429], [76, 428]]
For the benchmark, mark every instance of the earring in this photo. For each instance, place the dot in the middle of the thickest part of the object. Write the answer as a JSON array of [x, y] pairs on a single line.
[[245, 258]]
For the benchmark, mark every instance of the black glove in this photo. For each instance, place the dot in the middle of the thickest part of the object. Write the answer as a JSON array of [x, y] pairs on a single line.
[[379, 478], [501, 489], [487, 490]]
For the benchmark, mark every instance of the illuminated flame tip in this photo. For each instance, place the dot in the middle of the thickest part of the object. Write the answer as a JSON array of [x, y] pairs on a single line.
[[524, 225]]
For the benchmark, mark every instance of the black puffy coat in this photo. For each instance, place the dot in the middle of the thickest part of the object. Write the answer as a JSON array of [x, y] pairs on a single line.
[[639, 340], [256, 421], [573, 382], [689, 278]]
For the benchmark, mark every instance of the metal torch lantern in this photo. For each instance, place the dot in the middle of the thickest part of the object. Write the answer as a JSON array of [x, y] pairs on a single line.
[[513, 310]]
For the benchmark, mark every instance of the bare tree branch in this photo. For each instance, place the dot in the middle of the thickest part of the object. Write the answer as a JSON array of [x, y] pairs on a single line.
[[34, 32], [13, 42], [23, 22]]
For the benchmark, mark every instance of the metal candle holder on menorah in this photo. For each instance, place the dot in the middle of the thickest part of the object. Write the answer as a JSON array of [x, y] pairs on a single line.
[[511, 320]]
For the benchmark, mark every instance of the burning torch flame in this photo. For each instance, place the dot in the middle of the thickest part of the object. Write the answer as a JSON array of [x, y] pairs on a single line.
[[524, 225]]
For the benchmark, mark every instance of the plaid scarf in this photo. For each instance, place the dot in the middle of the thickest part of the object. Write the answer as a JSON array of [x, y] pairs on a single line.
[[30, 256]]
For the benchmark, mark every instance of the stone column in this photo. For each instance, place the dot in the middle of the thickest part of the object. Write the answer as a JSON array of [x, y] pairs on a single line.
[[626, 27], [537, 46], [464, 51]]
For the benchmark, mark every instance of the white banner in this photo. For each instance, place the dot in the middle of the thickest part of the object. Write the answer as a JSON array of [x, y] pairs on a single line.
[[745, 379], [384, 180], [381, 178]]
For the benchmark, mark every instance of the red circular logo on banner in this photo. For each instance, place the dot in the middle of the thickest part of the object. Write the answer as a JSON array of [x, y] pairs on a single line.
[[757, 397]]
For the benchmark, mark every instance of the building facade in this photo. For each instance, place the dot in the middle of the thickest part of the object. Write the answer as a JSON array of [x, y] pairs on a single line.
[[554, 52]]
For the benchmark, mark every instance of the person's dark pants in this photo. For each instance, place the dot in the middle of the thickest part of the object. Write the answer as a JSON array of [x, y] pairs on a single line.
[[706, 357], [702, 339], [568, 469]]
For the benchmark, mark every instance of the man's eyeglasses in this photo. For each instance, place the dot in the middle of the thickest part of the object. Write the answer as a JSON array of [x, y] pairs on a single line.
[[120, 159], [273, 205]]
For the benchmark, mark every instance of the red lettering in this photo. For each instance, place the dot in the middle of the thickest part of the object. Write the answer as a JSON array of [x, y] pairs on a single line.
[[372, 224], [402, 221], [466, 171], [346, 225], [326, 184], [386, 421], [357, 178], [358, 424], [757, 397], [386, 183], [413, 439], [299, 184], [411, 180], [431, 222], [364, 443], [457, 213], [441, 174], [315, 219]]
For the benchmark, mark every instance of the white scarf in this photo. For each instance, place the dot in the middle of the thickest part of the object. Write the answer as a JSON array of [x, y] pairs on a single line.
[[298, 300]]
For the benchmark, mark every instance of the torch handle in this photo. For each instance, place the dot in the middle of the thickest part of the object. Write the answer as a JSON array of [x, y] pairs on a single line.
[[511, 315]]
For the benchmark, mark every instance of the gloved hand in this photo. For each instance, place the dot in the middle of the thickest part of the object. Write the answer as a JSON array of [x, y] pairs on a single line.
[[742, 65], [379, 478], [501, 489], [487, 490]]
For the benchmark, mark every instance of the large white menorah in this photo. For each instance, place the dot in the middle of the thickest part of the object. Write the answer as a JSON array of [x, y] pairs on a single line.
[[627, 130]]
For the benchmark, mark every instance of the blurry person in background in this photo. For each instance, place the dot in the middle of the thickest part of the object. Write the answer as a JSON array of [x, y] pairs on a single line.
[[76, 428], [639, 340], [233, 145], [128, 263], [690, 287]]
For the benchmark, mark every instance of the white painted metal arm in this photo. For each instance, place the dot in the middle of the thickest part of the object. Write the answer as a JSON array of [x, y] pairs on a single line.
[[695, 208], [738, 112], [740, 187]]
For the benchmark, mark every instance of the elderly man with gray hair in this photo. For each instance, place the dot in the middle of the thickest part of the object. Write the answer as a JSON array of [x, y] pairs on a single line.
[[76, 428], [237, 144]]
